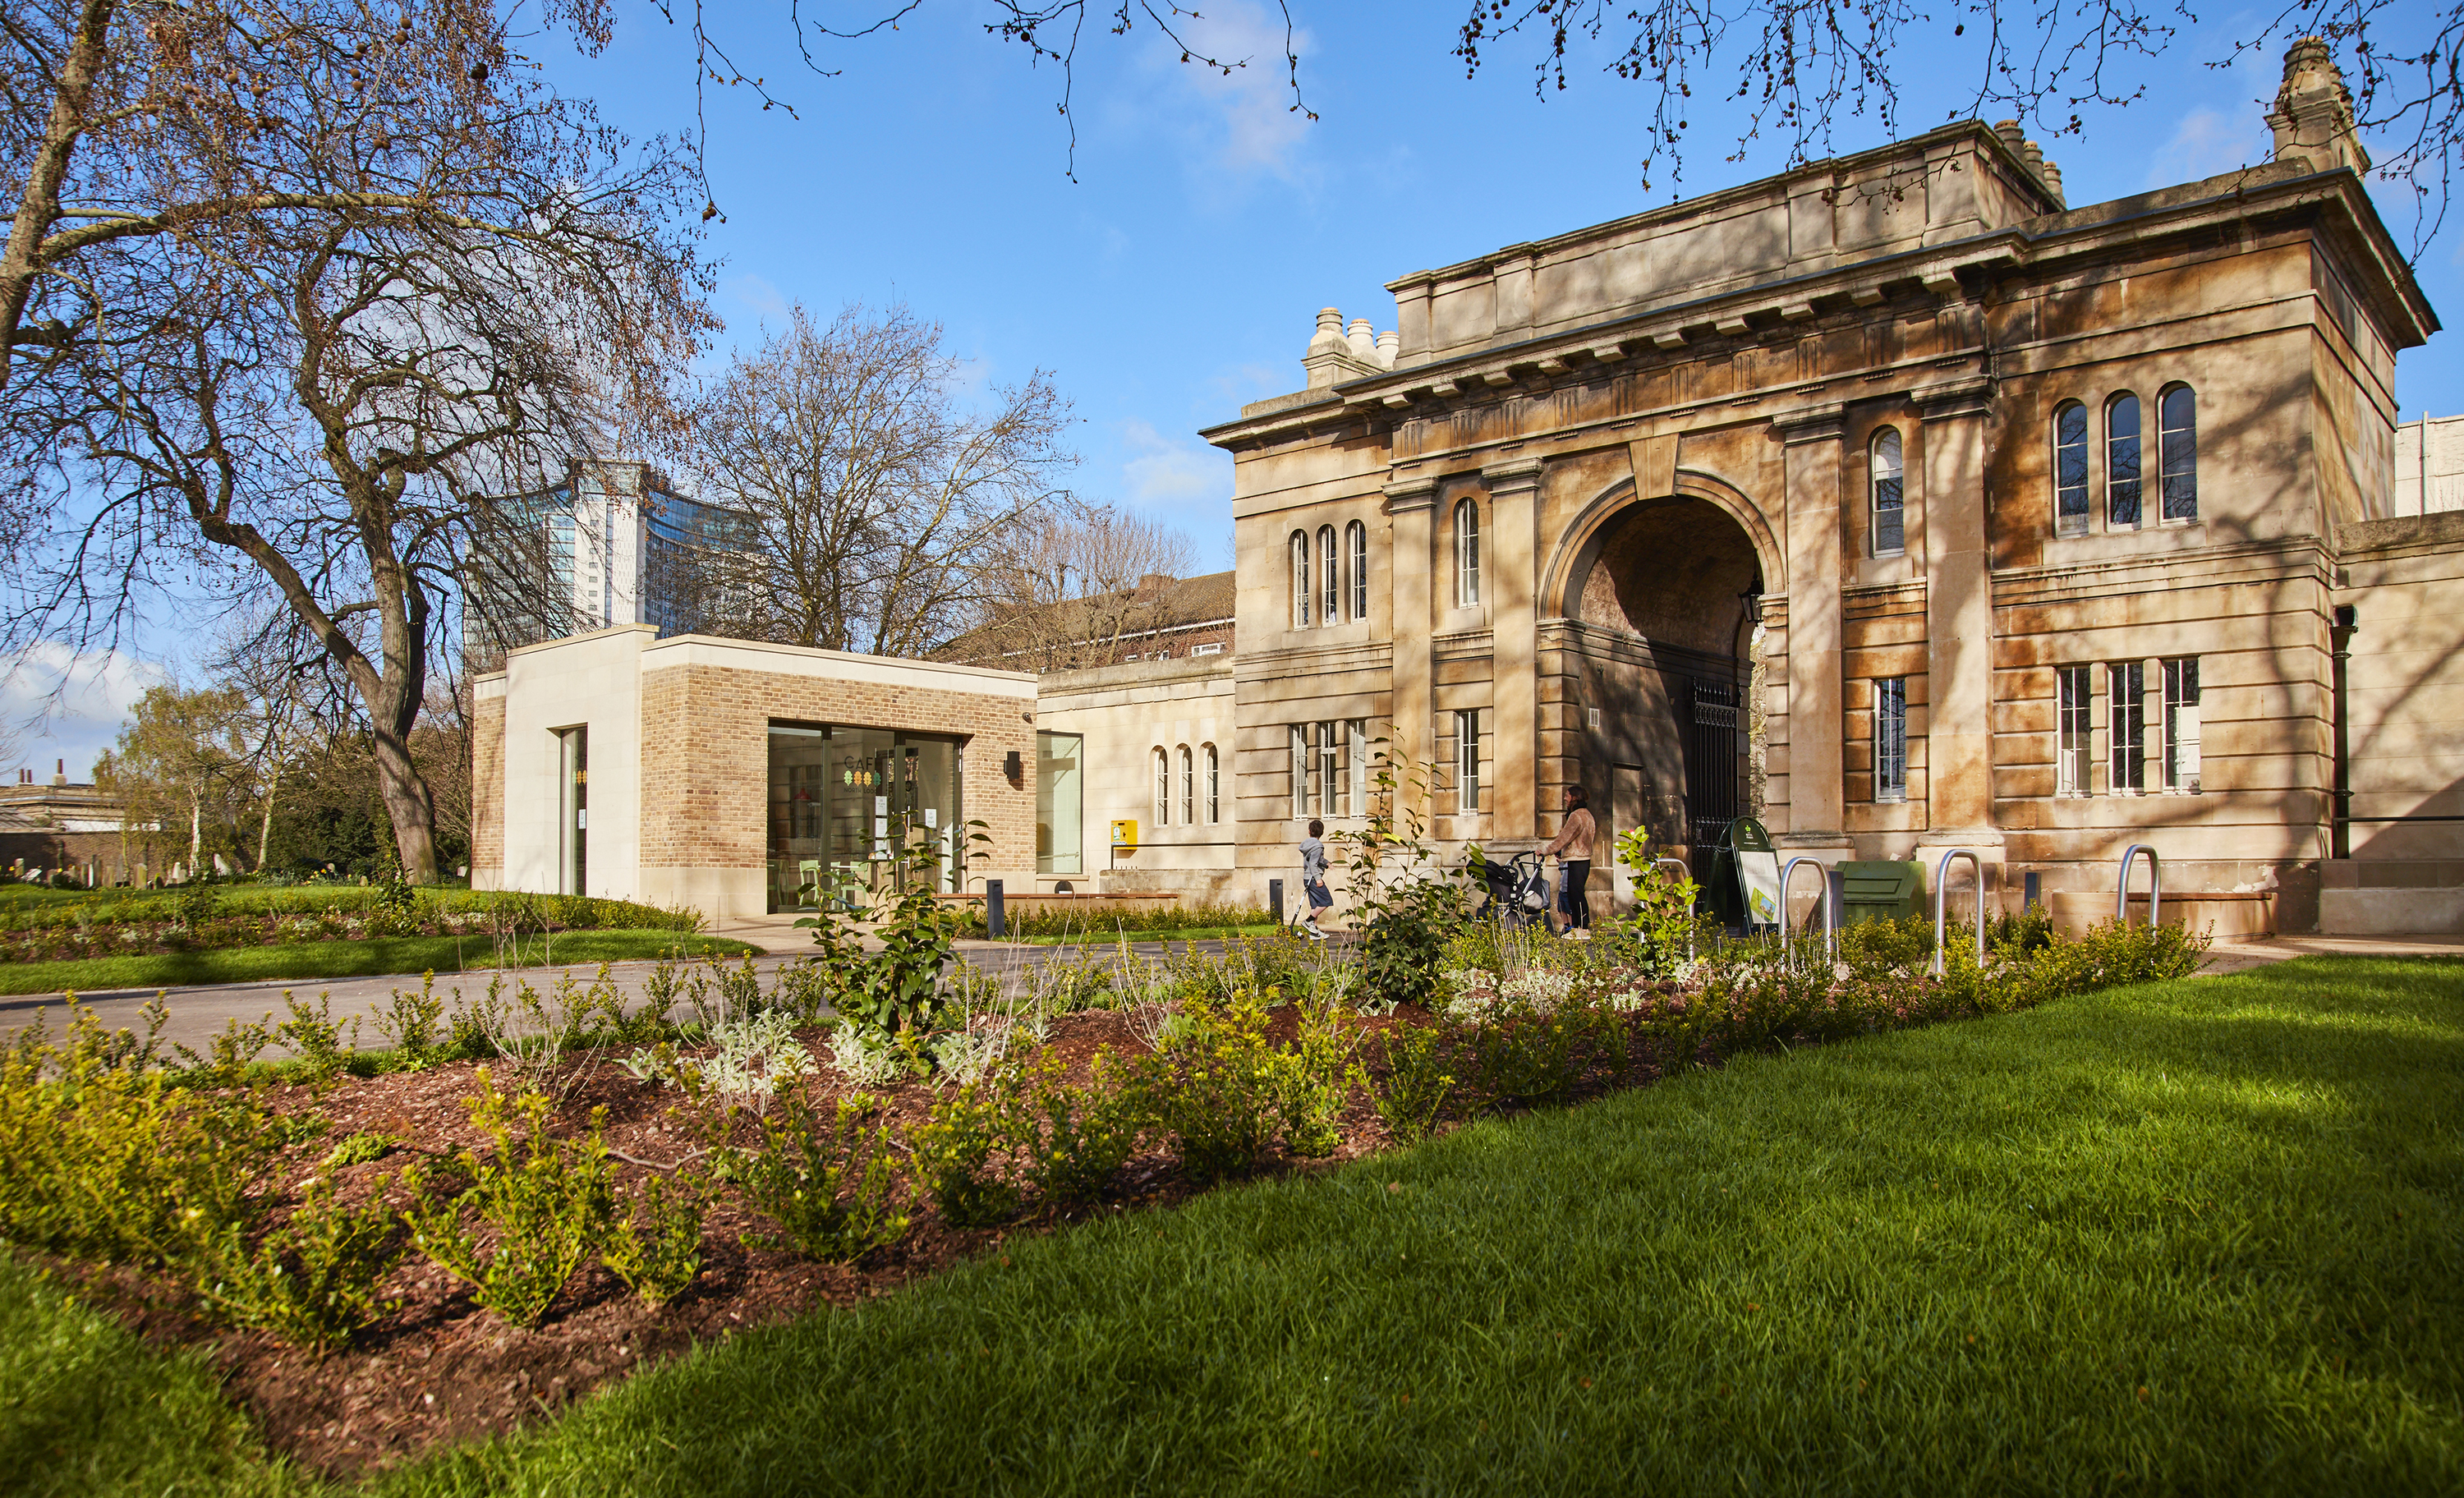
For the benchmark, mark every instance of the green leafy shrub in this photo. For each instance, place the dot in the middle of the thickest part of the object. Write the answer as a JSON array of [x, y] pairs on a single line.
[[1887, 945], [413, 1024], [1315, 1081], [101, 1160], [314, 1038], [228, 1055], [546, 1198], [1420, 1079], [1077, 1138], [1213, 1088], [828, 1183], [954, 1153], [1406, 903], [656, 1250], [312, 1280], [364, 1148]]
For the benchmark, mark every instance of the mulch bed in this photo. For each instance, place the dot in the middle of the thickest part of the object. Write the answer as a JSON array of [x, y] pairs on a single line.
[[440, 1370]]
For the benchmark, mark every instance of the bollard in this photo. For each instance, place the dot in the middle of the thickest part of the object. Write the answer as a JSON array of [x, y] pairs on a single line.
[[1275, 899], [996, 917]]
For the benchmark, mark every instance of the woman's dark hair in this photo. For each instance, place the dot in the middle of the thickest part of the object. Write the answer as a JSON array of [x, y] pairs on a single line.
[[1579, 796], [1317, 829]]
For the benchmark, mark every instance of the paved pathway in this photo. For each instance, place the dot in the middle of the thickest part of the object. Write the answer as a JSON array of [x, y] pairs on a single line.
[[2239, 955]]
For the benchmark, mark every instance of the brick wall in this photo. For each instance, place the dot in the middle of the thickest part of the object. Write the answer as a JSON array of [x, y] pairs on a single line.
[[488, 792], [706, 747]]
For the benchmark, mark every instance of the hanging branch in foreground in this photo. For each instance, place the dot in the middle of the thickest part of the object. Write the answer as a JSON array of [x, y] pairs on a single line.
[[1802, 68]]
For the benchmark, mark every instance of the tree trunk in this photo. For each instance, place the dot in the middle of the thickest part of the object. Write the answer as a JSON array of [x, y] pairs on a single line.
[[265, 833], [196, 828]]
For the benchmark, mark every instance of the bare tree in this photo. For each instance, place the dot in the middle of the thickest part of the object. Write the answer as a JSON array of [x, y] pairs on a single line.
[[875, 498], [314, 398], [1071, 584], [1803, 67]]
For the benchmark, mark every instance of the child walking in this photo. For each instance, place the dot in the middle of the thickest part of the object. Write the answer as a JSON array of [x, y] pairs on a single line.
[[1313, 880]]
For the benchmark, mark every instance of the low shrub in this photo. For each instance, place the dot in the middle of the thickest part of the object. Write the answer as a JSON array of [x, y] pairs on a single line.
[[656, 1248], [1077, 1138], [828, 1182], [312, 1280], [1418, 1081], [545, 1198], [955, 1153]]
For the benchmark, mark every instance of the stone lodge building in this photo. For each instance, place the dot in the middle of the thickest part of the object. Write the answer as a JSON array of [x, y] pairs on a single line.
[[1891, 499], [1899, 502]]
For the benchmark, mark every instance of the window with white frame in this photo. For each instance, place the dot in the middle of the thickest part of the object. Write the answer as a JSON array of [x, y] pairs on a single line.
[[2070, 469], [2073, 687], [2177, 452], [2122, 462], [1214, 787], [1162, 788], [1329, 579], [1889, 496], [1304, 783], [1188, 788], [1891, 738], [1467, 760], [1355, 542], [2126, 728], [1325, 767], [2181, 726], [1466, 553], [1300, 580], [1356, 755]]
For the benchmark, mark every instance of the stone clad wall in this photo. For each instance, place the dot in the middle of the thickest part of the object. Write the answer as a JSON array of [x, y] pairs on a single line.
[[1567, 399]]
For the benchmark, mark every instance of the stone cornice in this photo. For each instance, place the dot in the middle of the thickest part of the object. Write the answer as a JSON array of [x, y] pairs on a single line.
[[1821, 423], [1950, 273], [1512, 474], [1405, 495], [1971, 396]]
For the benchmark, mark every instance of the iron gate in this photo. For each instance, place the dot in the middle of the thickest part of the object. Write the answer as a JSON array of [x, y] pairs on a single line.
[[1711, 738]]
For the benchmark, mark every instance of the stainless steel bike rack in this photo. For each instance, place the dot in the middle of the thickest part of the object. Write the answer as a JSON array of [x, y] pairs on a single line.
[[1941, 892], [1829, 918], [2155, 886]]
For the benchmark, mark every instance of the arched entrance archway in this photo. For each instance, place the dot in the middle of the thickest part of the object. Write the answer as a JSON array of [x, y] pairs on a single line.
[[1654, 651]]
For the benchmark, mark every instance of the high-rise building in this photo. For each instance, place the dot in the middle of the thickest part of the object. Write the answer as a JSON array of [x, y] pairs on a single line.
[[613, 545]]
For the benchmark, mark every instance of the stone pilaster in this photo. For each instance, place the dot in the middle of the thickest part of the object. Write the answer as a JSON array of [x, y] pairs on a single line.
[[1411, 507], [1815, 474], [1959, 629], [1514, 634]]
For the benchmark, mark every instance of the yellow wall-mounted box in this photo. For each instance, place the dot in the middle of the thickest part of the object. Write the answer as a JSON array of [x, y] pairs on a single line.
[[1125, 835]]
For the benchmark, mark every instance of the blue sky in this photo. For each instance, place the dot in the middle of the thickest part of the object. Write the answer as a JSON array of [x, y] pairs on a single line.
[[1180, 274]]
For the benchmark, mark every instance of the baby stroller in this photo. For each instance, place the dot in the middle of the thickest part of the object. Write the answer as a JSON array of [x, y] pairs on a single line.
[[1518, 891]]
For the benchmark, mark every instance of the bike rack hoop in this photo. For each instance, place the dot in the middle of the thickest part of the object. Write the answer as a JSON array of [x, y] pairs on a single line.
[[1829, 918], [2155, 887], [1941, 894]]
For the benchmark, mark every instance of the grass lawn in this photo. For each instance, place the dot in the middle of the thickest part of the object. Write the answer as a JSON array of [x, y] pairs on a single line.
[[372, 958], [2197, 1237], [82, 1410]]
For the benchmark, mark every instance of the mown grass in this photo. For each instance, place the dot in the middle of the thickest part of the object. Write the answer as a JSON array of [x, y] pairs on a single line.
[[83, 1409], [374, 956], [2202, 1236], [2196, 1237]]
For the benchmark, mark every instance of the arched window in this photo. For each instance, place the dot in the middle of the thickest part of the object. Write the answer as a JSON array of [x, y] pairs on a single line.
[[2121, 462], [1329, 577], [1300, 580], [2177, 426], [1355, 539], [1214, 787], [1890, 518], [1466, 553], [1162, 788], [2070, 469], [1188, 788]]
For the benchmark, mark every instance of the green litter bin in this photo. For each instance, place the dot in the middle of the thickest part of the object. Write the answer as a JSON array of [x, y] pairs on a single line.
[[1878, 890]]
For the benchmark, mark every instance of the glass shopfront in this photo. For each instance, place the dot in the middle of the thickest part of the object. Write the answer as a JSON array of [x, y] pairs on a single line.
[[1059, 803], [843, 801]]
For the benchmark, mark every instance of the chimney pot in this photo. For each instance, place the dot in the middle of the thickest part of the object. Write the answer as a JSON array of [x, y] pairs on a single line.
[[1364, 340], [1389, 347]]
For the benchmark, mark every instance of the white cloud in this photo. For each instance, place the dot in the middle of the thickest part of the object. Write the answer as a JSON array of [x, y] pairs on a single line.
[[1250, 107], [1174, 474], [62, 705], [2208, 142], [757, 295]]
